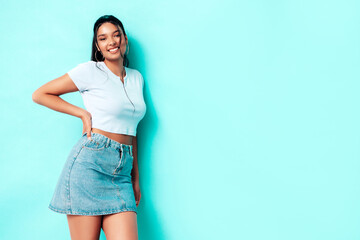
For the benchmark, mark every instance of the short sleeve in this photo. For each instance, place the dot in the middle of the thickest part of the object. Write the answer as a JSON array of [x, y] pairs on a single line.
[[141, 80], [81, 76]]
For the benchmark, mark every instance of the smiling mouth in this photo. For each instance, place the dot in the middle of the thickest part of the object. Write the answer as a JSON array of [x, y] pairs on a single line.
[[114, 50]]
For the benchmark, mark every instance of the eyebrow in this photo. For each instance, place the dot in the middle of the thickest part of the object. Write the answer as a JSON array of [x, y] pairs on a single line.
[[105, 34]]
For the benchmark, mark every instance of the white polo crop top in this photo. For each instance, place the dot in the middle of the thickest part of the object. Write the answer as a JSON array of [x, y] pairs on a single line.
[[115, 106]]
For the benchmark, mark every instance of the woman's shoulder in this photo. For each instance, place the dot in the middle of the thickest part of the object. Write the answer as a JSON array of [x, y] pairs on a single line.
[[135, 75], [92, 66], [89, 63], [133, 72]]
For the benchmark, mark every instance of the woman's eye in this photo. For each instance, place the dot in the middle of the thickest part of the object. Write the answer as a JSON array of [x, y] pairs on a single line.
[[102, 39]]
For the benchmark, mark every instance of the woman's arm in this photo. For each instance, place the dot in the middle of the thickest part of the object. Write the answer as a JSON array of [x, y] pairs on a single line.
[[135, 169], [135, 174], [48, 96]]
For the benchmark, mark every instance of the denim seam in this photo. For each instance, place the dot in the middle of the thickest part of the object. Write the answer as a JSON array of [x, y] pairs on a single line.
[[68, 178], [105, 211], [131, 152], [120, 161], [94, 148]]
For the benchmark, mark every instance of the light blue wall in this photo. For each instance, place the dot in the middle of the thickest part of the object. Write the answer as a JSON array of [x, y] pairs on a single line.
[[252, 130]]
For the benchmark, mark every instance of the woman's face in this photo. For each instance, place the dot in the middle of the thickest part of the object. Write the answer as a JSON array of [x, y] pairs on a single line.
[[109, 37]]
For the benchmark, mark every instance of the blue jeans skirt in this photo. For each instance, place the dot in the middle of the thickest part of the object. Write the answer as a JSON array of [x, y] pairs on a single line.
[[96, 178]]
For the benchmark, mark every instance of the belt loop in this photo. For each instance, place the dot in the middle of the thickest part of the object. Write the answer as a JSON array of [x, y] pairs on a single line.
[[122, 150], [131, 150], [107, 142]]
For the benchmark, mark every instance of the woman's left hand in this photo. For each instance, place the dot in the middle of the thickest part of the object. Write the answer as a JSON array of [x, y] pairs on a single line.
[[136, 188]]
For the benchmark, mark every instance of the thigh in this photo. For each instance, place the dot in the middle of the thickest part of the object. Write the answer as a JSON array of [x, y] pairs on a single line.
[[122, 225], [84, 227]]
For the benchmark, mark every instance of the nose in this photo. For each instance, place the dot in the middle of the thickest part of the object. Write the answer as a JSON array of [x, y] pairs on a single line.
[[112, 41]]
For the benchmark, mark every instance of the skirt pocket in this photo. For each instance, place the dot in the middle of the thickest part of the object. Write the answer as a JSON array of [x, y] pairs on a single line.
[[94, 145], [98, 158]]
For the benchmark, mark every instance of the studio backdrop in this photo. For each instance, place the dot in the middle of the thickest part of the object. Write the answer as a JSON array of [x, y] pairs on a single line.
[[252, 128]]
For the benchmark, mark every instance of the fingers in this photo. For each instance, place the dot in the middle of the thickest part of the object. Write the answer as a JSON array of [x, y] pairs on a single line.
[[88, 134], [138, 198], [87, 124]]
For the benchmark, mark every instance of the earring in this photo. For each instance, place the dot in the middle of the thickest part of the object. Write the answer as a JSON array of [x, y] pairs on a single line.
[[96, 55]]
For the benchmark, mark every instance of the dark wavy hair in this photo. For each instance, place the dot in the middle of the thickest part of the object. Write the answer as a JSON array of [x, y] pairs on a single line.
[[96, 55]]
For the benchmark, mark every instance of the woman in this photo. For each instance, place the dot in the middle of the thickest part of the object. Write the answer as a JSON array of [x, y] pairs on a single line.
[[99, 185]]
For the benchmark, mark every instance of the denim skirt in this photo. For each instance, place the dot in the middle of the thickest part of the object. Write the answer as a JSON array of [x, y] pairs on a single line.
[[96, 178]]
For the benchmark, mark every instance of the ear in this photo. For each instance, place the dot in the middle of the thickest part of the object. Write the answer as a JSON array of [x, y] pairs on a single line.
[[97, 47], [126, 39]]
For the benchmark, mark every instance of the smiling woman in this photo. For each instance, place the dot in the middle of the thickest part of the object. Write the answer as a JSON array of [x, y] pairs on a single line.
[[99, 185], [111, 42]]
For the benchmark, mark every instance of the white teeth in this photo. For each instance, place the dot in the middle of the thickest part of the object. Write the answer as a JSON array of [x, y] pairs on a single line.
[[113, 50]]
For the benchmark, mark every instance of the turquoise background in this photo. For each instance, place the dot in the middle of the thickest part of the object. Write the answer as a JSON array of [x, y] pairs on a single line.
[[252, 129]]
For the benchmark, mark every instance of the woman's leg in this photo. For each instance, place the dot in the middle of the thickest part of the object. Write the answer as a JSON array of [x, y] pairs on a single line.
[[120, 226], [84, 227]]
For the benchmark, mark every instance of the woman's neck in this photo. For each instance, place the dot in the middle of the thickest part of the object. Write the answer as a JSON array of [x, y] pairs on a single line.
[[117, 68]]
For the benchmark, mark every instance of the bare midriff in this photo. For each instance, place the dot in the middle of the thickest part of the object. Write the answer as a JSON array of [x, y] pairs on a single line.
[[121, 138]]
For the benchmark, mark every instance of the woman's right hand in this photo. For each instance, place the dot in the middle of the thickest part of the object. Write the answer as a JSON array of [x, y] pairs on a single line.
[[86, 118]]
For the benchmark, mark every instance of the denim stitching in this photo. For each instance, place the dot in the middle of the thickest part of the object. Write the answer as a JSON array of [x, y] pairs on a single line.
[[112, 180], [131, 151], [106, 211], [121, 155], [67, 186], [91, 147]]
